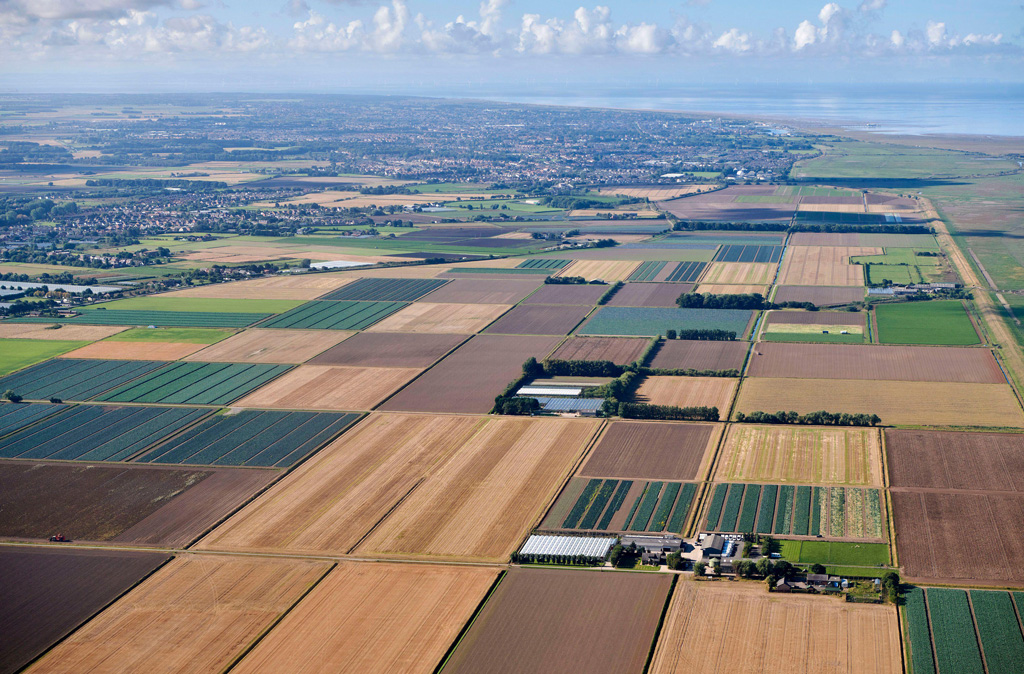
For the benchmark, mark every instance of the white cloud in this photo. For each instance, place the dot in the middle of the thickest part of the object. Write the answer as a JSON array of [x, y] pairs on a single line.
[[936, 32], [896, 39], [79, 9], [868, 6], [806, 34], [733, 40]]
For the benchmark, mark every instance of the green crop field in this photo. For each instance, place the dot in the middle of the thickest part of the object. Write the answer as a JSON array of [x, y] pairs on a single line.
[[591, 504], [74, 379], [998, 630], [833, 337], [936, 322], [643, 321], [855, 159], [198, 304], [836, 553], [385, 289], [173, 335], [18, 353], [899, 256], [197, 319], [918, 632], [335, 315], [196, 383], [956, 645]]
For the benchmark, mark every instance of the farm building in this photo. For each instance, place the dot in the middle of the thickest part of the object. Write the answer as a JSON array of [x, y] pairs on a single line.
[[569, 546], [586, 407], [655, 548]]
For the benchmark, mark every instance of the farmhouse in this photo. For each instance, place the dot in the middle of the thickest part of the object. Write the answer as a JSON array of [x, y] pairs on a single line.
[[655, 548]]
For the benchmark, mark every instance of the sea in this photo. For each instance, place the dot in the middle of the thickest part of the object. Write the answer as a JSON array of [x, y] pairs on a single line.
[[905, 109]]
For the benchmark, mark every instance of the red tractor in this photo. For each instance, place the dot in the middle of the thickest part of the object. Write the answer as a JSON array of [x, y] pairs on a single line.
[[59, 538]]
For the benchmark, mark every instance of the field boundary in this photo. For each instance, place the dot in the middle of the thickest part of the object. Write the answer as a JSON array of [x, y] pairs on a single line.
[[661, 623], [385, 515], [977, 632], [262, 635], [469, 623], [890, 519], [422, 372]]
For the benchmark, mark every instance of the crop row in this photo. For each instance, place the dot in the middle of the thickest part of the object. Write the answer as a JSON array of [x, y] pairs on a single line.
[[14, 417], [646, 271], [617, 501], [582, 503], [783, 518], [956, 645], [769, 493], [732, 508], [919, 633], [334, 315], [751, 494], [71, 379], [802, 511], [385, 289], [542, 263], [650, 500], [715, 509], [168, 319], [998, 630], [686, 272], [683, 503], [597, 507], [197, 383], [668, 499]]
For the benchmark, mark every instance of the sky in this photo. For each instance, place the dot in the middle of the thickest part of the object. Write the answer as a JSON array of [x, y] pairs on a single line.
[[521, 46]]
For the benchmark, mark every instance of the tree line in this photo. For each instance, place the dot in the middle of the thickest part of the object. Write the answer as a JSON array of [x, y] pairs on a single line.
[[820, 418]]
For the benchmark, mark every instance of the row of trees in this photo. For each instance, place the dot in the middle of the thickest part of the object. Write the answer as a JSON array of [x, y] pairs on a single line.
[[697, 225], [668, 412], [820, 418], [561, 560], [702, 335], [752, 301]]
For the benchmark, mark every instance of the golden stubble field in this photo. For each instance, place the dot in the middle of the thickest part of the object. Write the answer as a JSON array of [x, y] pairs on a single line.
[[374, 617], [329, 387], [895, 402], [823, 266], [196, 614], [688, 391], [462, 319], [332, 500], [742, 273], [807, 454], [135, 350], [481, 503], [606, 270], [71, 333], [296, 287], [272, 346], [738, 627]]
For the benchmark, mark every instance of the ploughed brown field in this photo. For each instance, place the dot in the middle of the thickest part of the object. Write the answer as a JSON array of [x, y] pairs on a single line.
[[46, 593], [947, 460], [688, 392], [296, 287], [470, 378], [374, 617], [539, 319], [937, 536], [70, 333], [823, 265], [324, 387], [196, 614], [552, 621], [389, 349], [815, 318], [584, 295], [647, 295], [271, 346], [895, 402], [645, 450], [482, 291], [820, 295], [331, 501], [682, 354], [131, 505], [135, 350], [738, 627], [875, 362], [483, 501], [462, 319], [619, 350]]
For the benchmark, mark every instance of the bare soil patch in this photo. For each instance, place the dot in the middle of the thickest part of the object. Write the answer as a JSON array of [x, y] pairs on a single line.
[[823, 265], [135, 350], [324, 387], [452, 318], [482, 502], [948, 460], [728, 627], [822, 296], [389, 349], [539, 319], [374, 617], [331, 501], [66, 332], [482, 291], [586, 295], [563, 632], [619, 350], [84, 581], [469, 379], [681, 354], [197, 613], [875, 361], [652, 451], [688, 391], [647, 295], [271, 346], [896, 402]]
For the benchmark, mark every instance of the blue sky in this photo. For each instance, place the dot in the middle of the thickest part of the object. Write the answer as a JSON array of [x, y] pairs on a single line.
[[419, 45]]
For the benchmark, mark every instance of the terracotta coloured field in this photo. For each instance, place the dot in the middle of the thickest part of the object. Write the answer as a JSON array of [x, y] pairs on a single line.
[[619, 350], [331, 501], [688, 392], [540, 319], [802, 454], [72, 333], [720, 289], [468, 379], [743, 273], [453, 318], [943, 460], [271, 346], [135, 350], [896, 402], [389, 349], [819, 295], [823, 266], [876, 361], [196, 614], [652, 451], [931, 540], [647, 295], [738, 627], [606, 270], [548, 620], [323, 387], [296, 287], [130, 505], [85, 581], [680, 354], [482, 502], [586, 295], [350, 622], [482, 291]]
